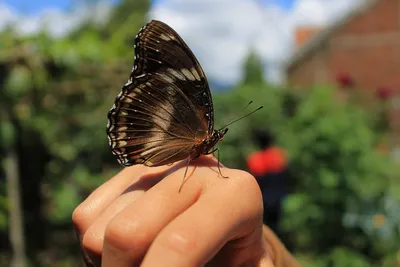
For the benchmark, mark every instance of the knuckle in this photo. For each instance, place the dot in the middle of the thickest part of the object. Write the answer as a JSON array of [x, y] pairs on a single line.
[[249, 193], [92, 243], [179, 241], [126, 233], [245, 181], [81, 217]]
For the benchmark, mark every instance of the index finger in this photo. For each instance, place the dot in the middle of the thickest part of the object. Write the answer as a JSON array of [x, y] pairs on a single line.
[[228, 210]]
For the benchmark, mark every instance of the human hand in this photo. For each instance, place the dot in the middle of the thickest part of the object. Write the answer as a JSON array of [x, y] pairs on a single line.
[[138, 217]]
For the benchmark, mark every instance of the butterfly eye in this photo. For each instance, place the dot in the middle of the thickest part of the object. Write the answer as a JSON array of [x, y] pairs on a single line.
[[221, 134]]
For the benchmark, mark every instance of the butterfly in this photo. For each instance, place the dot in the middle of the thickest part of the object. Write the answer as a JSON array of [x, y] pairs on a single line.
[[164, 113]]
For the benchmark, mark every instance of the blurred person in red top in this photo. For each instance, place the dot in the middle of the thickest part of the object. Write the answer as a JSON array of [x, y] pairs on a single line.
[[269, 167]]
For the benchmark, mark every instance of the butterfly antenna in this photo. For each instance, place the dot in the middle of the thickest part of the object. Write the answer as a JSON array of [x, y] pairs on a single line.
[[237, 114], [232, 122]]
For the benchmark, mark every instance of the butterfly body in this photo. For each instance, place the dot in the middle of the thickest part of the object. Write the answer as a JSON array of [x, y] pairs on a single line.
[[164, 112], [206, 145]]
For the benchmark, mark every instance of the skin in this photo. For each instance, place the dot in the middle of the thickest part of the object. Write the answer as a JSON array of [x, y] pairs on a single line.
[[138, 218]]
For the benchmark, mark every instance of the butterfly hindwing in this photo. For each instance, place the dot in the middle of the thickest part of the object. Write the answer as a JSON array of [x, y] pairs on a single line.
[[165, 108], [145, 127]]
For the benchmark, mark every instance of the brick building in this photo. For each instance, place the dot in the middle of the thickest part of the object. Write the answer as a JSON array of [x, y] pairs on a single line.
[[365, 45]]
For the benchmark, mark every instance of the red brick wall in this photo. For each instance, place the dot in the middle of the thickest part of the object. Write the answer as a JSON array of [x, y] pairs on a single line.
[[367, 48], [371, 64], [311, 71], [379, 18]]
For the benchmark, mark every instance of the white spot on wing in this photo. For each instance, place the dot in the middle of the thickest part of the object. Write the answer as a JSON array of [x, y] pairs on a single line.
[[128, 82], [176, 74], [166, 37], [122, 143], [195, 74], [166, 77], [128, 100], [132, 94], [188, 74]]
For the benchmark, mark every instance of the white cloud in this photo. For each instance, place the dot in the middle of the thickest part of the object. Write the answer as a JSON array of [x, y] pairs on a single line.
[[55, 22], [219, 32], [320, 12], [222, 32], [7, 16], [274, 42]]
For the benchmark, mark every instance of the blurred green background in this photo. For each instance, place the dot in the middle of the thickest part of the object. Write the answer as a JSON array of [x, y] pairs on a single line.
[[344, 204]]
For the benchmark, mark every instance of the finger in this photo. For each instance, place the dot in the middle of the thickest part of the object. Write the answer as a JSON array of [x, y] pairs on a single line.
[[93, 238], [107, 201], [88, 211], [100, 199], [131, 232], [225, 212]]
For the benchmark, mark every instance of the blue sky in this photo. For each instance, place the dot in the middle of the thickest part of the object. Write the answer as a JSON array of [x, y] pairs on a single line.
[[32, 7]]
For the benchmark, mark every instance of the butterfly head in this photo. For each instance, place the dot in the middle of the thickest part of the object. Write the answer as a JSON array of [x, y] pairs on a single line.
[[218, 135]]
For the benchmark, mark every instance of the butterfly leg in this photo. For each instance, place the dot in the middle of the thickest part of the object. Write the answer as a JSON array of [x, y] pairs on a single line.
[[212, 152], [184, 176]]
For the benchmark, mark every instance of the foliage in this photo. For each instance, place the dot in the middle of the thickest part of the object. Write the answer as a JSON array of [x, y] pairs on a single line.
[[344, 209], [340, 180], [55, 94], [340, 184]]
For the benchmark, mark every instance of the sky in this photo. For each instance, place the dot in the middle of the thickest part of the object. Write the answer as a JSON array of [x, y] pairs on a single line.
[[221, 33], [32, 7], [37, 6]]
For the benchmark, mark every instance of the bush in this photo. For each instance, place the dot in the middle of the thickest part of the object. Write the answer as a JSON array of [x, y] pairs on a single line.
[[343, 191]]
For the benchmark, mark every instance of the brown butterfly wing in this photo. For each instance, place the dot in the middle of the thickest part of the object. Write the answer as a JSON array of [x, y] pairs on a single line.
[[165, 108], [159, 49]]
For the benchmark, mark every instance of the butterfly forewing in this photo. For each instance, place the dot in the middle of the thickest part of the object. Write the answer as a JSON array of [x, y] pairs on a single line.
[[159, 49], [165, 108]]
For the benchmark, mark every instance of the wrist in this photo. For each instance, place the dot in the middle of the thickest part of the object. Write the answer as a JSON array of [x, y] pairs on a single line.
[[277, 252]]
